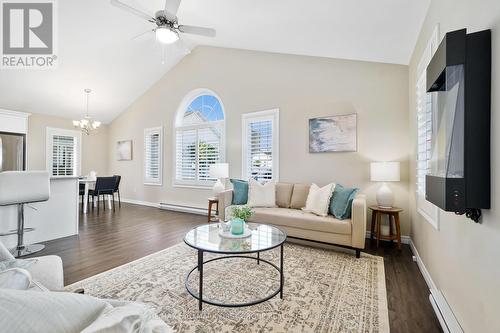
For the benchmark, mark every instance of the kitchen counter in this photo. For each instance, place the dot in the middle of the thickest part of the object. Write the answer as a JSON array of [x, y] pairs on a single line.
[[55, 218]]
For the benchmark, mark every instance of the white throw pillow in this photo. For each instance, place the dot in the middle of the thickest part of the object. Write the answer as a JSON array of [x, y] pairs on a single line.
[[318, 199], [261, 195]]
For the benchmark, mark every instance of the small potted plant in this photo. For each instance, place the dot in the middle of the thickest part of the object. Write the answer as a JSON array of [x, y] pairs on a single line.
[[240, 214]]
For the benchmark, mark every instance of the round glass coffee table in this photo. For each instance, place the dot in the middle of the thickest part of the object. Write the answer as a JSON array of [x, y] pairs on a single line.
[[206, 238]]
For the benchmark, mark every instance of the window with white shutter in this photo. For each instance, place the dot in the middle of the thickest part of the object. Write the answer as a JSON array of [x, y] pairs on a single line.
[[261, 145], [199, 139], [153, 138], [424, 105], [63, 152]]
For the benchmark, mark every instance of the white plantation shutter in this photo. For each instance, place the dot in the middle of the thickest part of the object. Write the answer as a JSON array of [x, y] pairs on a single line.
[[424, 104], [63, 155], [260, 145], [186, 155], [208, 151], [153, 156], [63, 149], [424, 134], [196, 149]]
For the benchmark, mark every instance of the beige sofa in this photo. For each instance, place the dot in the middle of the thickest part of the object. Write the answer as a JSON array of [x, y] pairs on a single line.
[[288, 216]]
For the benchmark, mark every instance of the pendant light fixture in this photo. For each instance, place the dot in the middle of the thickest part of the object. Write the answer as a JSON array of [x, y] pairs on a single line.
[[87, 125]]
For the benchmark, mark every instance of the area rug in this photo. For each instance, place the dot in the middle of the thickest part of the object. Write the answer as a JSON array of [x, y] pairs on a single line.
[[324, 291]]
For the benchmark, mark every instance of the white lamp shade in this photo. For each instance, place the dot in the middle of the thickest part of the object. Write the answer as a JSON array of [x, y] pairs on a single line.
[[384, 171], [219, 170]]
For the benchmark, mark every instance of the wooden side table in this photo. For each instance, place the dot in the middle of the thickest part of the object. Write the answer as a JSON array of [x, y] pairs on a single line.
[[213, 201], [393, 214]]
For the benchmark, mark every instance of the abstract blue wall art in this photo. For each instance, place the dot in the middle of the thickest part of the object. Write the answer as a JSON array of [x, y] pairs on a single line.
[[333, 134]]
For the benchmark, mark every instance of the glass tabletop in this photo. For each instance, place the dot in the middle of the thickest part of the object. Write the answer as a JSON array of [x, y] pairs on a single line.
[[206, 237]]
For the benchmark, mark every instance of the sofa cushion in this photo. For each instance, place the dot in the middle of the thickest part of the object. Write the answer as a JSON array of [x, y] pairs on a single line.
[[15, 278], [299, 219], [299, 196], [27, 311], [283, 194]]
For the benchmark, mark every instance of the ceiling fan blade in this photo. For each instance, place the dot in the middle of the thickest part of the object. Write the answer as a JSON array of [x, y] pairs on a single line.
[[132, 10], [189, 29], [171, 8], [142, 34]]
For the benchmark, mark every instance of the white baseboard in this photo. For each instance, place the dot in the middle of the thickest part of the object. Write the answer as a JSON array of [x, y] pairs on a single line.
[[183, 208], [142, 203], [404, 239], [169, 206], [444, 312], [421, 266]]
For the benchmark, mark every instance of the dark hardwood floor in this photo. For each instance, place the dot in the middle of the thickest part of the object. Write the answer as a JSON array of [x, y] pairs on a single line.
[[112, 239]]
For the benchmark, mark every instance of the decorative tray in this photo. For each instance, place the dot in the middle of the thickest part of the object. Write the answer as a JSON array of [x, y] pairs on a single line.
[[227, 234]]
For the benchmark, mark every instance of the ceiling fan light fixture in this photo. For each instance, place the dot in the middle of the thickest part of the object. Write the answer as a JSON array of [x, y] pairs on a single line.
[[166, 35]]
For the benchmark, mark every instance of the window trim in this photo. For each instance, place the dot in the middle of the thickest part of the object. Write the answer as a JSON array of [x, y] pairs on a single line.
[[49, 133], [152, 181], [186, 101], [256, 116], [426, 209]]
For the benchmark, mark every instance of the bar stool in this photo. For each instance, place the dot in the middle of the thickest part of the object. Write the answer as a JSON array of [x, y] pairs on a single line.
[[20, 188]]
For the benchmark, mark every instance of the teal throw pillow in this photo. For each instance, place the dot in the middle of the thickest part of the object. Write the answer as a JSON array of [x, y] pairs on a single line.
[[240, 192], [341, 202]]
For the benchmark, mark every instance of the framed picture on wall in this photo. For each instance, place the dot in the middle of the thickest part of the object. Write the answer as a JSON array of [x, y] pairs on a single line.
[[333, 134], [124, 150]]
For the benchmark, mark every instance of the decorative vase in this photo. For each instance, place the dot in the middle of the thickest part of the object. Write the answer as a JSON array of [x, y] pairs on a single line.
[[237, 226], [226, 226]]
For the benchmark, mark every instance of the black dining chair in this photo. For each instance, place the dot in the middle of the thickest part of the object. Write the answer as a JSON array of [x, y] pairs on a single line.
[[118, 179], [103, 186], [81, 191]]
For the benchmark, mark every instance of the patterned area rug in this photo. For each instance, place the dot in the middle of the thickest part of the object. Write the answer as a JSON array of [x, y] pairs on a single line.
[[324, 291]]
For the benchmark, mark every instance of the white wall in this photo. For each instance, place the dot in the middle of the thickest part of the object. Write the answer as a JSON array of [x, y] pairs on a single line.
[[462, 257], [301, 87]]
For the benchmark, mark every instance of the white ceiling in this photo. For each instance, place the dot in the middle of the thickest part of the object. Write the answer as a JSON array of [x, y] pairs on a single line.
[[96, 50]]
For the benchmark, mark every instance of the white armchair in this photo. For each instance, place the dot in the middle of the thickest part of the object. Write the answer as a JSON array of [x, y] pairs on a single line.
[[45, 272]]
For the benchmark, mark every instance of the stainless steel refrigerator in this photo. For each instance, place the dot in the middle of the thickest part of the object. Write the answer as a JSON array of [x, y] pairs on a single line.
[[12, 152]]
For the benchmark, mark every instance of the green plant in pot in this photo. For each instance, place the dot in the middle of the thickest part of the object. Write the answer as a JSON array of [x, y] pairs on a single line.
[[240, 214]]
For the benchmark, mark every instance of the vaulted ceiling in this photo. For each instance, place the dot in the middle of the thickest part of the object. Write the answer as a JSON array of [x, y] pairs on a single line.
[[96, 49]]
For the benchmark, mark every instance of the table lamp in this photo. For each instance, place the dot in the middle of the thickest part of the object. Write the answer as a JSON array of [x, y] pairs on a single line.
[[385, 172], [219, 171]]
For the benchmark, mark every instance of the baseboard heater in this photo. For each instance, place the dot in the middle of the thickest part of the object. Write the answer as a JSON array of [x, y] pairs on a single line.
[[446, 318], [183, 208]]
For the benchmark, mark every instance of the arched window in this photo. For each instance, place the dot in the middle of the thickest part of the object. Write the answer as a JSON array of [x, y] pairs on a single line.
[[199, 138]]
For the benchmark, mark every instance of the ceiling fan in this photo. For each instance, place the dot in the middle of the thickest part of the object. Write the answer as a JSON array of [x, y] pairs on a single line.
[[167, 27]]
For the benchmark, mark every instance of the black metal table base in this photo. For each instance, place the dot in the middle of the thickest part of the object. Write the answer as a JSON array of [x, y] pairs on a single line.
[[199, 267]]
